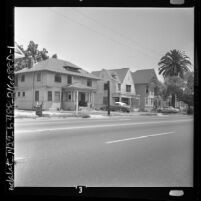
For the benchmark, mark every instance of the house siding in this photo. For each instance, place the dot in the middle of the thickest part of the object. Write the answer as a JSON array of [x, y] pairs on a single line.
[[141, 90], [46, 83], [100, 92], [114, 91]]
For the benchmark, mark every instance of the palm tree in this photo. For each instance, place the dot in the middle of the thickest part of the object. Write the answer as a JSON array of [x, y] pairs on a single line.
[[174, 63]]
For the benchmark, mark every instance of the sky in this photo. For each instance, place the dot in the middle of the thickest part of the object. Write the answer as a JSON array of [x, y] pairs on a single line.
[[97, 38]]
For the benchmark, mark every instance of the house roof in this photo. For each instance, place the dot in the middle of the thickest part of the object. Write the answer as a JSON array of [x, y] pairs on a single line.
[[57, 65], [120, 73], [143, 76], [96, 73]]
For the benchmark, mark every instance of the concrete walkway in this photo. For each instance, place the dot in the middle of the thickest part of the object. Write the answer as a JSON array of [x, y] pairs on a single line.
[[81, 114]]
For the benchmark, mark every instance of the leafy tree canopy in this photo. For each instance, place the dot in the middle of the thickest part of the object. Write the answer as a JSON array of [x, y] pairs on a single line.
[[32, 55]]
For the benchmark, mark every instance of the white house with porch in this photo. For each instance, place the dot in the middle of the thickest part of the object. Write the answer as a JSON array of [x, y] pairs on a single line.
[[56, 84], [122, 88]]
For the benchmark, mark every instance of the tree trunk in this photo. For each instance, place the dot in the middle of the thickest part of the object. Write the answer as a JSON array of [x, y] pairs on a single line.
[[173, 100]]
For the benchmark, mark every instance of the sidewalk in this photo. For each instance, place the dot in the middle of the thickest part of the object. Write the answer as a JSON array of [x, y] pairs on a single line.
[[66, 114]]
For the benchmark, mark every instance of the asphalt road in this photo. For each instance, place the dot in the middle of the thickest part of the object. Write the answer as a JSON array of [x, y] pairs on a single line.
[[136, 151]]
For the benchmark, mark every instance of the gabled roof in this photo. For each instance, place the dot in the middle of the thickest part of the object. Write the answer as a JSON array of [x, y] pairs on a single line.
[[96, 73], [120, 73], [57, 66], [143, 76]]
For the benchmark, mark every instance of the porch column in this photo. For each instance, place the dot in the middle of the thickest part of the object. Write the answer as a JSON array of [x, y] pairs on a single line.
[[92, 99], [71, 94], [77, 93], [89, 97]]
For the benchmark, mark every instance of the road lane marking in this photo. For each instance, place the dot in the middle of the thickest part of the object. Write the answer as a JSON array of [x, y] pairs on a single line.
[[136, 138], [99, 126]]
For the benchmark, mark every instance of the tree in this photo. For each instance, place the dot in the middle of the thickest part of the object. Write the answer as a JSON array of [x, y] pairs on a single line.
[[32, 55], [183, 89], [189, 80], [174, 87], [54, 56], [174, 64], [188, 92]]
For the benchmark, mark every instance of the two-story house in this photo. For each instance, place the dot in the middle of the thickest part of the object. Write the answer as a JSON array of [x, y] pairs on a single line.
[[142, 80], [56, 84], [122, 88]]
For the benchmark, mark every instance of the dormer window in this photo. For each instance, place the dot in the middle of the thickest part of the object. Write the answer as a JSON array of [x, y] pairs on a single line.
[[114, 75], [72, 69]]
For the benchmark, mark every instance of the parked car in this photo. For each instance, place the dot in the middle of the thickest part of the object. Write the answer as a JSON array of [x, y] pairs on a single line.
[[121, 104], [118, 106], [169, 109]]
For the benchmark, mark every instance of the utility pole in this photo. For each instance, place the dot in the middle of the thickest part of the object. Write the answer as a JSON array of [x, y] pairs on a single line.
[[108, 97]]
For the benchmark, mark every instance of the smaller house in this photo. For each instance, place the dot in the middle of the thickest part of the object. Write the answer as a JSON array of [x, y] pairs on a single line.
[[142, 80], [122, 88]]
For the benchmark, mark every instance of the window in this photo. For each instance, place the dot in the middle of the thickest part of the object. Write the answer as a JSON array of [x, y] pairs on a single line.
[[116, 99], [36, 95], [128, 88], [23, 94], [39, 76], [119, 86], [49, 96], [69, 79], [16, 80], [105, 86], [22, 78], [57, 78], [57, 96], [89, 83], [18, 93], [147, 90], [152, 101], [146, 101], [69, 97]]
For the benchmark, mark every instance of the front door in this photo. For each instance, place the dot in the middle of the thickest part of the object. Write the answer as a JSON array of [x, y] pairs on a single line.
[[82, 99]]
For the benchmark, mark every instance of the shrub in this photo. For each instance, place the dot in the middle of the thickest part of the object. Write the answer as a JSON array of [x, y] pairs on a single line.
[[190, 111], [85, 116]]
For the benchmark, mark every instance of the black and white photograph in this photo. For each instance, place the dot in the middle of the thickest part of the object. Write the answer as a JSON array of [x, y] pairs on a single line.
[[104, 97]]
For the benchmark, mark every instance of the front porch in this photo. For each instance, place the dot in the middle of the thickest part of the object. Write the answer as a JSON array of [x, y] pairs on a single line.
[[130, 99], [77, 96]]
